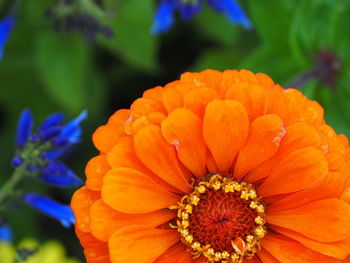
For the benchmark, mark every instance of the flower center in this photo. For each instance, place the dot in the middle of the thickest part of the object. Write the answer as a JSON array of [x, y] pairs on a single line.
[[222, 219]]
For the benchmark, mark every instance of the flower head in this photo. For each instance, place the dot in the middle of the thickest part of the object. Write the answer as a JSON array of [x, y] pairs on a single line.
[[217, 167], [164, 17], [37, 156]]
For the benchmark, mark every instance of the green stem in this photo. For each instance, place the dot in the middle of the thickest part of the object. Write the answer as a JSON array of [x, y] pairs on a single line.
[[8, 188]]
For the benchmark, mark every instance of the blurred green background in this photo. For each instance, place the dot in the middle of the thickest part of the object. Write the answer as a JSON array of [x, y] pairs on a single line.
[[50, 71]]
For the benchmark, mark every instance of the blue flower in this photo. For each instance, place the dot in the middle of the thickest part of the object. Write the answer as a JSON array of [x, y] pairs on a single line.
[[57, 174], [5, 233], [164, 17], [6, 26], [25, 126], [52, 139], [51, 208]]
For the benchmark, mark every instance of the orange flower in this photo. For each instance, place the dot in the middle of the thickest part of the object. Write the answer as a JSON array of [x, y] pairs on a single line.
[[217, 167]]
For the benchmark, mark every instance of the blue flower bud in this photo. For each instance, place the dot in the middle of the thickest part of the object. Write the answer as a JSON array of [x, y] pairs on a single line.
[[72, 130], [164, 17], [60, 142], [17, 161], [6, 26], [57, 174], [53, 120], [48, 134], [51, 208], [24, 127]]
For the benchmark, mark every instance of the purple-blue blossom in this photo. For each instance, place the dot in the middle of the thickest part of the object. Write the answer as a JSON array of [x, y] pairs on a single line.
[[164, 16]]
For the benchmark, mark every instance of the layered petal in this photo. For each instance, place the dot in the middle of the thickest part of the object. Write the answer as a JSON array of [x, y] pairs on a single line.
[[331, 187], [225, 130], [130, 191], [263, 142], [197, 100], [326, 220], [252, 96], [81, 203], [299, 170], [183, 129], [159, 156], [339, 250], [95, 170], [140, 243], [176, 254], [95, 251], [288, 251], [104, 220]]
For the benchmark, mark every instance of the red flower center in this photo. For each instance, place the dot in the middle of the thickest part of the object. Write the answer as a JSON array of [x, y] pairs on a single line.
[[220, 218]]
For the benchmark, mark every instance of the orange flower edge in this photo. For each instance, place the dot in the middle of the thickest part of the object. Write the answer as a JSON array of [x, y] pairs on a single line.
[[217, 167]]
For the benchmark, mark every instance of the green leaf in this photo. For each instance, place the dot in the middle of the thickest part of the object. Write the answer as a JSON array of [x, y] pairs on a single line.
[[63, 67], [133, 41], [276, 64], [219, 28], [219, 59], [272, 21]]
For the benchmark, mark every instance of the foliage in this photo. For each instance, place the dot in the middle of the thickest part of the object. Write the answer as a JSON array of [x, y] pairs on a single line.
[[51, 70]]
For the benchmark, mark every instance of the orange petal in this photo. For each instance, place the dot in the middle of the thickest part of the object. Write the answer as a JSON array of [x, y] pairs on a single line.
[[331, 187], [288, 251], [81, 202], [211, 164], [339, 250], [197, 100], [327, 220], [118, 118], [266, 257], [104, 220], [301, 109], [105, 137], [95, 251], [252, 96], [171, 99], [208, 78], [298, 135], [263, 141], [183, 129], [248, 76], [143, 106], [175, 254], [225, 130], [130, 191], [264, 80], [299, 170], [159, 156], [229, 78], [154, 94], [123, 155], [95, 171], [139, 243], [276, 102]]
